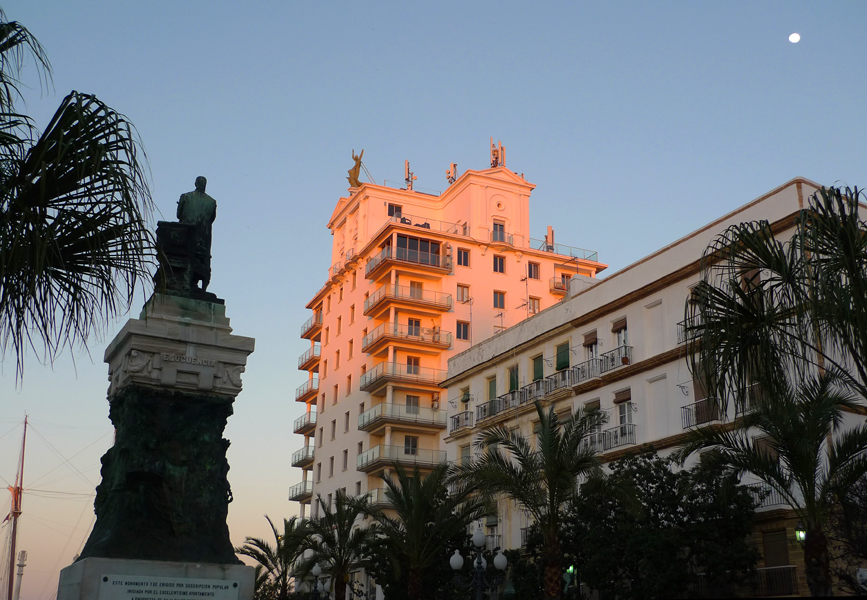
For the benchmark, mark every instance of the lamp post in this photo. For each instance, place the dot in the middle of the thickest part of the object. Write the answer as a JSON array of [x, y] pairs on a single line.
[[480, 581], [319, 592], [800, 532]]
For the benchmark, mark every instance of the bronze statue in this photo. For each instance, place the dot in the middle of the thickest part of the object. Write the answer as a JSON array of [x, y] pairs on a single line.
[[355, 170], [199, 209]]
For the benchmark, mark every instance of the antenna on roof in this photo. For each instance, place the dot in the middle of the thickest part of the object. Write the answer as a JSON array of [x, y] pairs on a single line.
[[452, 173], [498, 154], [407, 175]]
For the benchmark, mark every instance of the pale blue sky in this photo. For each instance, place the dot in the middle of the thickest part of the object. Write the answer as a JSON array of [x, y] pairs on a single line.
[[638, 121]]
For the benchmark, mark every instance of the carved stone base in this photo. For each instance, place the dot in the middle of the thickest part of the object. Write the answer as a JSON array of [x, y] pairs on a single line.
[[107, 579], [164, 493]]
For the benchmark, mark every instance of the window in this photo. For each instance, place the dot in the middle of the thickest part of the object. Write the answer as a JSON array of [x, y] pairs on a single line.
[[466, 455], [410, 445], [492, 388], [534, 305], [345, 459], [354, 280], [328, 504], [538, 368], [499, 264], [333, 429], [326, 336], [331, 467], [340, 297], [499, 233], [499, 300], [337, 360], [415, 289], [418, 251], [352, 314], [318, 472], [357, 488], [412, 405], [346, 423], [363, 370], [463, 294], [533, 271], [591, 345], [351, 349], [348, 384], [328, 304], [513, 378], [334, 397], [339, 325], [360, 447], [413, 327], [619, 330], [321, 435], [463, 332], [563, 356], [394, 210], [324, 368], [412, 365], [361, 408], [463, 257]]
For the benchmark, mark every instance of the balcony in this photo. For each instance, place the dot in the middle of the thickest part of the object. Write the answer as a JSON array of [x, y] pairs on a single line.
[[377, 498], [388, 294], [557, 285], [312, 328], [620, 356], [766, 496], [688, 330], [492, 542], [564, 250], [307, 391], [586, 371], [701, 412], [622, 435], [431, 224], [559, 381], [501, 237], [301, 491], [593, 441], [426, 261], [386, 372], [305, 424], [500, 404], [309, 361], [535, 390], [384, 456], [430, 340], [463, 420], [397, 413], [763, 583], [303, 457]]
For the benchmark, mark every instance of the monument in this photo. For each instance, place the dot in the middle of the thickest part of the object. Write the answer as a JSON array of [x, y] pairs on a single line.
[[174, 373]]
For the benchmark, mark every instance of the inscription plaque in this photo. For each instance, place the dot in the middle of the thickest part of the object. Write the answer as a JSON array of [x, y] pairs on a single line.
[[141, 587]]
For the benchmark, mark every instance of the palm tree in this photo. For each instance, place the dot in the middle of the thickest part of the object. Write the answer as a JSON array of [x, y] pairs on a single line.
[[427, 519], [339, 543], [767, 308], [74, 205], [277, 560], [783, 440], [540, 479]]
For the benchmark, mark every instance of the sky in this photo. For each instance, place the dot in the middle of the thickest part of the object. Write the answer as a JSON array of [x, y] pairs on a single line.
[[638, 121]]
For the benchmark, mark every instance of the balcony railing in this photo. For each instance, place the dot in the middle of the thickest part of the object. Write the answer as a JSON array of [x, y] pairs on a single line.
[[766, 582], [559, 381], [704, 411], [386, 455], [312, 385], [535, 390], [431, 224], [765, 495], [620, 356], [492, 542], [461, 420], [302, 456], [775, 581], [556, 285], [404, 414], [686, 330], [587, 370], [311, 354], [301, 491], [336, 267], [502, 237], [422, 335], [622, 435], [401, 372], [595, 441], [524, 533], [438, 300], [405, 255], [499, 404], [564, 250], [310, 323], [305, 421], [377, 497]]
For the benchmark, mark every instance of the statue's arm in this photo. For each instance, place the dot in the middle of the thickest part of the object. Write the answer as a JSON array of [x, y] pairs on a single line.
[[180, 207]]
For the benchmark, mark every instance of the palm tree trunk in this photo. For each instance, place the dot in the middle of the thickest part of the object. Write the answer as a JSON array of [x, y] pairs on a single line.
[[818, 563], [414, 584], [553, 569], [339, 588]]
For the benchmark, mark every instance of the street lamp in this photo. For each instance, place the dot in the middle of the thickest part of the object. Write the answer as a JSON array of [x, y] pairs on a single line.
[[480, 581], [800, 532], [318, 589]]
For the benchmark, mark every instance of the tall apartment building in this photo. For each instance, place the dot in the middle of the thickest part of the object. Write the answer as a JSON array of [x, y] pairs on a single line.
[[415, 279], [619, 346]]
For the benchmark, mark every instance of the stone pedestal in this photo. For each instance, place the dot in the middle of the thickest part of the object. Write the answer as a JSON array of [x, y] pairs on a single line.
[[162, 504]]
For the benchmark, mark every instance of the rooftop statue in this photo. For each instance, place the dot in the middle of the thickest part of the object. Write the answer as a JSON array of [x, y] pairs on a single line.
[[355, 170], [198, 209]]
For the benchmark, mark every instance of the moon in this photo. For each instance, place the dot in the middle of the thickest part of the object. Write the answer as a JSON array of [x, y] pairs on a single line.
[[795, 38]]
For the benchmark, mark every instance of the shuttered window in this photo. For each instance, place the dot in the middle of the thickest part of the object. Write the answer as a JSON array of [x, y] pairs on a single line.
[[563, 356], [538, 369]]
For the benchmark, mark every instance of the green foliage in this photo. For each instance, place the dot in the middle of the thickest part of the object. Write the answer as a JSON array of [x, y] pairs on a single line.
[[74, 206], [647, 531], [273, 573], [849, 538]]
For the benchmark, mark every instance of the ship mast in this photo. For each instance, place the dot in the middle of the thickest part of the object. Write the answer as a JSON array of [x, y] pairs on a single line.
[[16, 510]]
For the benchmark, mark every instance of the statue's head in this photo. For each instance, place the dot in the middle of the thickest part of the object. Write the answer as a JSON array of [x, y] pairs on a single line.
[[201, 182]]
